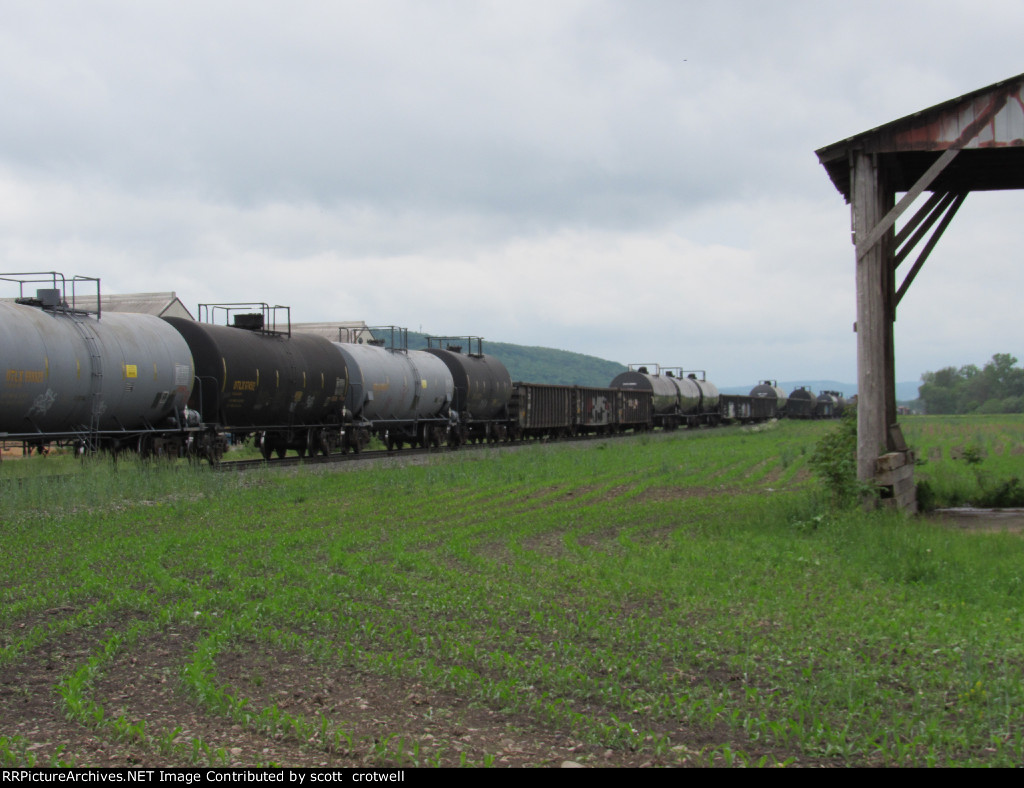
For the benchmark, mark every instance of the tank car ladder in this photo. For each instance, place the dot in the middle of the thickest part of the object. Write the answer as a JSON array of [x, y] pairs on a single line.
[[91, 439]]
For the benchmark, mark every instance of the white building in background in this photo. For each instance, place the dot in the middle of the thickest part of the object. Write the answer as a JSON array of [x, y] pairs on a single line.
[[350, 331]]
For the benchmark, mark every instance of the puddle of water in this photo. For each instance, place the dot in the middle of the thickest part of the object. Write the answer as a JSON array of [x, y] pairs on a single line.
[[982, 519]]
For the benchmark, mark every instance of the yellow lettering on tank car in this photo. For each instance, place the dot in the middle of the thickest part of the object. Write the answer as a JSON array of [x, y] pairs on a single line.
[[16, 377], [423, 383], [131, 371], [381, 386], [244, 385]]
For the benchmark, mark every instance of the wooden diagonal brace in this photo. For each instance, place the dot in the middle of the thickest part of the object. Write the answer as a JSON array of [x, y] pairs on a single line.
[[930, 213], [950, 213], [890, 218], [969, 133]]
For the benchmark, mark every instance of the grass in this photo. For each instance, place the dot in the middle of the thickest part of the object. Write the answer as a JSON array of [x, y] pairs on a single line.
[[672, 599], [969, 460]]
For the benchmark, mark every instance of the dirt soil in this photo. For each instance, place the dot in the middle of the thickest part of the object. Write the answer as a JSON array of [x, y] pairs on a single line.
[[385, 721]]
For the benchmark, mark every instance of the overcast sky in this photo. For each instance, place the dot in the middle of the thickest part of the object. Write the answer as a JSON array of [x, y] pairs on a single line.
[[631, 179]]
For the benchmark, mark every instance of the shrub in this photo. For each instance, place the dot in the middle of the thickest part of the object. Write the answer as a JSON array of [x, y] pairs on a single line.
[[834, 462]]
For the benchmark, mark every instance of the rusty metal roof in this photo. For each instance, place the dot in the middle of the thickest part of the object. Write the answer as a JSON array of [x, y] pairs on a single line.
[[987, 125]]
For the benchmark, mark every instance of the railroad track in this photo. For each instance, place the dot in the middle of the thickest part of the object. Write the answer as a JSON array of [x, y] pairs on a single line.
[[383, 454]]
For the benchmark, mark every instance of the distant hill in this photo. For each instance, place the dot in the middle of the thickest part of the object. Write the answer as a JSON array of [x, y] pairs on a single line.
[[543, 364], [547, 365]]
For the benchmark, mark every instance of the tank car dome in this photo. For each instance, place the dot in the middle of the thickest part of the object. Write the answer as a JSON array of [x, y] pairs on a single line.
[[768, 390]]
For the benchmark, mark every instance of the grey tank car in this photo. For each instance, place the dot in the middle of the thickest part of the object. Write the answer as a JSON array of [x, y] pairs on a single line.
[[403, 396], [678, 398], [70, 373]]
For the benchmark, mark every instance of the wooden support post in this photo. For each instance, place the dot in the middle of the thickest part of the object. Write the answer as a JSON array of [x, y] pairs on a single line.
[[871, 201]]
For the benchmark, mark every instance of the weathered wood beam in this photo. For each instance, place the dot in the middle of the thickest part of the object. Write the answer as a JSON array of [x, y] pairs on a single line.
[[966, 136], [889, 220], [910, 226], [946, 219], [933, 209], [871, 199]]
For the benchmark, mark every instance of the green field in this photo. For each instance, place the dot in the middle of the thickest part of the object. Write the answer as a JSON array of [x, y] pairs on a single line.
[[680, 599]]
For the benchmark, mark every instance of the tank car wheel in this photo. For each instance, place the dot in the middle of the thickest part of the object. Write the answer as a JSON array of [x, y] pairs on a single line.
[[266, 449], [316, 443], [281, 450], [145, 447]]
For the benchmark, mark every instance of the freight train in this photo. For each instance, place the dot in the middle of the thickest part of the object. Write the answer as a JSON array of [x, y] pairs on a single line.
[[177, 387]]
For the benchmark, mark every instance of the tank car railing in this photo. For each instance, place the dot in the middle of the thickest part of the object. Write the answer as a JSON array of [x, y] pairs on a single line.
[[397, 339], [266, 324], [440, 344], [18, 279], [74, 295], [55, 296]]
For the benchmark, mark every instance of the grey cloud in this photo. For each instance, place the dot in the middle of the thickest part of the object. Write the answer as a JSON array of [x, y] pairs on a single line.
[[179, 144]]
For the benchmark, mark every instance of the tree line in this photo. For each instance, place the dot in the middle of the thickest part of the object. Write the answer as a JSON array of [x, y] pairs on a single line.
[[998, 387]]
